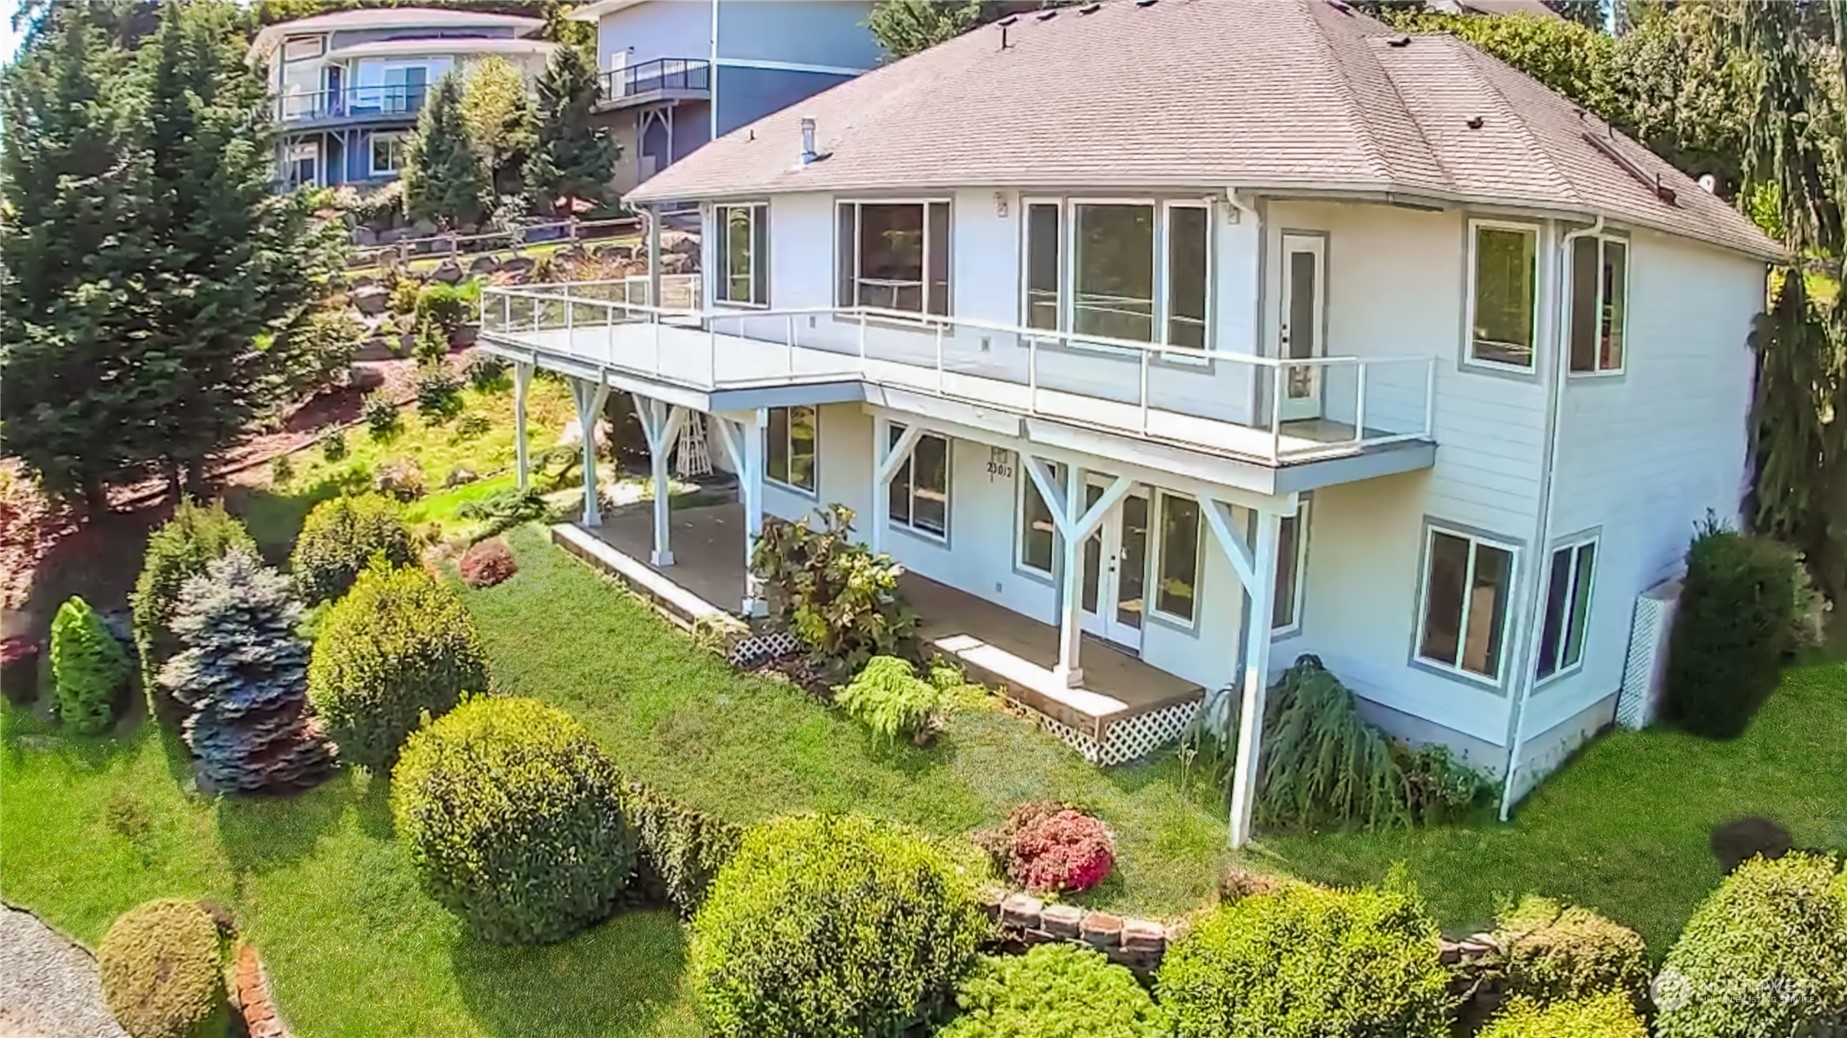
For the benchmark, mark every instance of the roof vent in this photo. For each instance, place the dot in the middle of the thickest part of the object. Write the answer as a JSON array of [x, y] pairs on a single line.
[[1341, 5], [1398, 41], [1709, 183], [808, 152], [1090, 9], [1475, 122], [1145, 3], [1046, 16]]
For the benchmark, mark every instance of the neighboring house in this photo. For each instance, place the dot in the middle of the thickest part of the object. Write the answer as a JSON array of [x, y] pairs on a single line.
[[1534, 8], [1220, 332], [677, 73], [347, 87]]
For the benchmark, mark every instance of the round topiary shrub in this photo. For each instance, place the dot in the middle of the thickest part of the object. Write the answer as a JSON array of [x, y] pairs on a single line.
[[1049, 848], [339, 538], [1609, 1015], [487, 563], [1054, 991], [831, 925], [513, 818], [163, 971], [1553, 952], [1764, 955], [1308, 961], [399, 645], [88, 668]]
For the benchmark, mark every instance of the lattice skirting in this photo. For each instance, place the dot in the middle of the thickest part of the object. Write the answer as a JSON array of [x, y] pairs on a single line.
[[1130, 739], [753, 650]]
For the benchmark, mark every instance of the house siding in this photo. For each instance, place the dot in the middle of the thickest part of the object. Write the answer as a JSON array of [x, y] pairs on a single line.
[[748, 94], [808, 32], [645, 32]]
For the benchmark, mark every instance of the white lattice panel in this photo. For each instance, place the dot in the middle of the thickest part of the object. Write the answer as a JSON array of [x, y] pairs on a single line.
[[1643, 670], [761, 648], [1143, 734]]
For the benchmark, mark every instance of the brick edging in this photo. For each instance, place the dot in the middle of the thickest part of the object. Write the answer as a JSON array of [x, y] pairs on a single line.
[[254, 1002]]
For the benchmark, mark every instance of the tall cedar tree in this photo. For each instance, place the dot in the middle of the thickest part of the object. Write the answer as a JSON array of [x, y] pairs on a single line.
[[497, 109], [225, 260], [444, 179], [76, 413], [574, 157]]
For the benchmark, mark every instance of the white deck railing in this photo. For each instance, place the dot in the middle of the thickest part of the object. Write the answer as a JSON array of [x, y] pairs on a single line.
[[1212, 398]]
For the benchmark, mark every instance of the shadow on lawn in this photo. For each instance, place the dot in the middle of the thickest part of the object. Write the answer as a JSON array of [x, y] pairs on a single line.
[[261, 833]]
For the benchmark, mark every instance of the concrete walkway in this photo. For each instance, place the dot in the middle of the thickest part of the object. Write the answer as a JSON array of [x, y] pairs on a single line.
[[48, 985]]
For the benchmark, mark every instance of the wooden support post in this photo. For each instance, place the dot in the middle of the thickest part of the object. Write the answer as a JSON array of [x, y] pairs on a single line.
[[589, 398], [522, 461], [1258, 617]]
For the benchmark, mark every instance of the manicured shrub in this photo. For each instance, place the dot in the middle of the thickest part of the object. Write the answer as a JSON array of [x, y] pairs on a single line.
[[318, 349], [333, 448], [889, 698], [1731, 631], [439, 392], [504, 509], [243, 674], [399, 645], [88, 668], [842, 600], [469, 426], [487, 563], [1764, 955], [448, 306], [486, 371], [281, 470], [405, 292], [429, 344], [831, 926], [163, 972], [1054, 991], [1049, 848], [178, 551], [339, 538], [1309, 961], [513, 817], [380, 412], [1438, 787], [682, 849], [400, 479], [1609, 1015], [1554, 952]]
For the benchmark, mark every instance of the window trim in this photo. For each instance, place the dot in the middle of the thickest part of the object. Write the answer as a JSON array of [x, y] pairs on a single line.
[[1162, 303], [1570, 286], [924, 202], [1064, 232], [1509, 620], [388, 136], [721, 274], [1157, 544], [1469, 360], [1294, 627], [1573, 544], [1024, 486], [909, 468], [789, 447]]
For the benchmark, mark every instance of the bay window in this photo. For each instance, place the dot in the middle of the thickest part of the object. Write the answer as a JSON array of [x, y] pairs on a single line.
[[1133, 270], [893, 255], [743, 241]]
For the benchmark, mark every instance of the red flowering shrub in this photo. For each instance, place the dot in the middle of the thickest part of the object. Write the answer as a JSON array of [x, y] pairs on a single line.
[[1048, 847], [487, 563]]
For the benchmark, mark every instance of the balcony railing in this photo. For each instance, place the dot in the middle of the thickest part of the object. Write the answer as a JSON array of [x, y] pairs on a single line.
[[351, 103], [1215, 400], [681, 75]]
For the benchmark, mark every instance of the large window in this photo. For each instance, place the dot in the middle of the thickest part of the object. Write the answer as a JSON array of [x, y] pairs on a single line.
[[743, 233], [894, 255], [387, 154], [920, 489], [1568, 584], [1503, 285], [1291, 566], [1038, 531], [1176, 578], [789, 447], [1128, 270], [1599, 299], [304, 164], [1468, 582]]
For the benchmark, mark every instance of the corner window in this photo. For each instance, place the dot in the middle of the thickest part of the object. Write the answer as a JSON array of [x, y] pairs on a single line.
[[743, 240], [1176, 587], [789, 447], [1568, 585], [920, 489], [1038, 531], [387, 154], [894, 256], [1599, 303], [1468, 582], [1291, 565], [1503, 287]]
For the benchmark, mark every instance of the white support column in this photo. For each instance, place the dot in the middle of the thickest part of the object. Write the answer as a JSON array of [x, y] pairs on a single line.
[[652, 217], [589, 398], [1256, 674], [661, 425], [1075, 524], [742, 437], [522, 462], [888, 458]]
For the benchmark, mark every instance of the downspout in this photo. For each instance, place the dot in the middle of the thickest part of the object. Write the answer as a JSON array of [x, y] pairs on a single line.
[[1527, 676]]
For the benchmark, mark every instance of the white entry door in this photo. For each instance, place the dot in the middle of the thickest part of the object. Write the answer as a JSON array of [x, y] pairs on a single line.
[[1114, 592], [1304, 323]]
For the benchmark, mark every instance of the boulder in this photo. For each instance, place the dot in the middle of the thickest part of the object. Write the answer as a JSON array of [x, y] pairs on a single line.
[[363, 235], [459, 476], [448, 272], [370, 300], [483, 265], [677, 263], [615, 252], [392, 236], [362, 281], [516, 265], [422, 228], [680, 242]]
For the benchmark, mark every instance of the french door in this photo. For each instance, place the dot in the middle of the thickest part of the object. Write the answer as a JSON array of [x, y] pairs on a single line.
[[1114, 592], [1303, 323]]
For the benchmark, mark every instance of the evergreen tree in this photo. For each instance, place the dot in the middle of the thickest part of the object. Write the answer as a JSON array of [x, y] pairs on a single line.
[[574, 157], [904, 27], [497, 109], [1592, 14], [444, 179], [244, 676]]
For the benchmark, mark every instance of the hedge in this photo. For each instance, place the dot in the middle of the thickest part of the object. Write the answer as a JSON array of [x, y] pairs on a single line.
[[513, 818], [88, 668], [178, 551], [1731, 631], [682, 849], [1553, 952], [1054, 991], [399, 646], [339, 538], [1609, 1015], [163, 972], [826, 925]]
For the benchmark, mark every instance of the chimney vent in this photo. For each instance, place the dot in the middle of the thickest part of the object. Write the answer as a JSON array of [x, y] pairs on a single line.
[[808, 152]]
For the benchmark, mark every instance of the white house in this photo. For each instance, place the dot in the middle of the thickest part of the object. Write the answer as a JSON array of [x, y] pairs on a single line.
[[348, 86], [1206, 333]]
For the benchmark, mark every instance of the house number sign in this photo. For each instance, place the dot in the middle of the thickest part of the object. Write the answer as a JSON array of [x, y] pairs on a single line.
[[1000, 463]]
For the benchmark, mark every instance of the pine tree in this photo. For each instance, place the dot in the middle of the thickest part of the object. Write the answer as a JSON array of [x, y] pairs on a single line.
[[574, 157], [444, 179], [497, 109], [244, 676]]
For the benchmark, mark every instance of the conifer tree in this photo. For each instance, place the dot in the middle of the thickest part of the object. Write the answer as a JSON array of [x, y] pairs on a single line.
[[497, 109], [574, 157], [444, 179]]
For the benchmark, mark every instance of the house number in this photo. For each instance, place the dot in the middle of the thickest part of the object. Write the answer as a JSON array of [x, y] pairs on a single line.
[[1000, 463]]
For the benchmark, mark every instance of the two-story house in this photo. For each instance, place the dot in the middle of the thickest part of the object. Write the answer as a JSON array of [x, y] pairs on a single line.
[[678, 73], [347, 87], [1189, 336]]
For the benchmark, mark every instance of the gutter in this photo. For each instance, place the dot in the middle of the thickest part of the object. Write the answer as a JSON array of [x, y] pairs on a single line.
[[1527, 660]]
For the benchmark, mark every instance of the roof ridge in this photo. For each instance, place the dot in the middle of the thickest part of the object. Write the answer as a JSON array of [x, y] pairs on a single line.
[[1436, 155], [1554, 167], [1344, 93]]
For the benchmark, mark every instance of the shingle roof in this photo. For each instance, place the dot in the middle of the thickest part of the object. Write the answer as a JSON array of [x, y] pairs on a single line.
[[1280, 95]]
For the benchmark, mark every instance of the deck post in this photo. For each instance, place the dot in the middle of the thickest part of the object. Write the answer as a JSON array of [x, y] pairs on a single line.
[[661, 425], [1258, 618], [1075, 522], [589, 398], [742, 437], [888, 457], [652, 217], [522, 463]]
